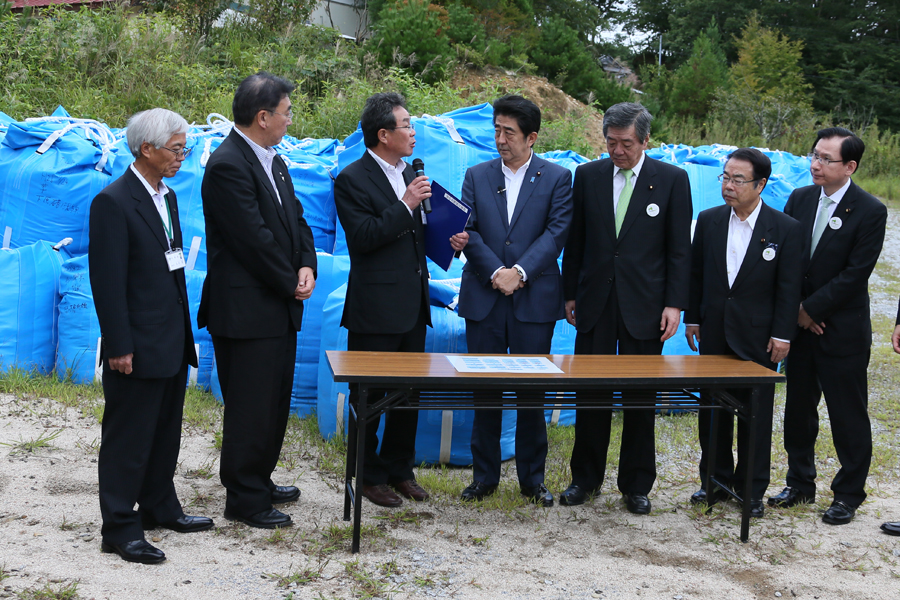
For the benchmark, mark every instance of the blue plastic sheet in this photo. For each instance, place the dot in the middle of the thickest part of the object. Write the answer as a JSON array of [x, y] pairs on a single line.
[[28, 307], [79, 328]]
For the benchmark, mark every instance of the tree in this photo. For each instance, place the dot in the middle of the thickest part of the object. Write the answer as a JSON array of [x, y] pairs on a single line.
[[695, 82], [426, 52], [766, 84]]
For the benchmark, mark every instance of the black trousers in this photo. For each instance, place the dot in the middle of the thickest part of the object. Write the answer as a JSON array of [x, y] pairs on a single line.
[[256, 376], [394, 464], [726, 471], [498, 333], [637, 455], [140, 439], [843, 381]]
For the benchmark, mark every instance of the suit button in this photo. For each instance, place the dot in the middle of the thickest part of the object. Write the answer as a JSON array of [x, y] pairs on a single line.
[[418, 271], [730, 297], [508, 242], [180, 301], [609, 280], [616, 255]]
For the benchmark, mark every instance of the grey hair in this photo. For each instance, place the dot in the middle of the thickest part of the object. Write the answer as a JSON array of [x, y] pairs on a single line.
[[625, 114], [155, 126]]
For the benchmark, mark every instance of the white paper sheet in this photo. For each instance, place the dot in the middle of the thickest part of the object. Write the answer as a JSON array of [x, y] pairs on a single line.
[[503, 364]]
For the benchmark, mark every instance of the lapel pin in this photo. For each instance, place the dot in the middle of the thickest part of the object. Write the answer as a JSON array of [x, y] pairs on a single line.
[[651, 187], [532, 179], [763, 241]]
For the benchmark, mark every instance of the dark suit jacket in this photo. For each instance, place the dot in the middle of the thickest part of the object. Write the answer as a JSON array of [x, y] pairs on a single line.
[[533, 240], [142, 306], [835, 286], [388, 281], [650, 261], [255, 246], [763, 301]]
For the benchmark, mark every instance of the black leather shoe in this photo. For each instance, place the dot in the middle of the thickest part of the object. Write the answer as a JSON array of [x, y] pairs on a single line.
[[891, 528], [183, 524], [638, 504], [702, 497], [573, 496], [838, 513], [757, 511], [137, 551], [477, 491], [283, 494], [790, 497], [539, 495], [267, 519]]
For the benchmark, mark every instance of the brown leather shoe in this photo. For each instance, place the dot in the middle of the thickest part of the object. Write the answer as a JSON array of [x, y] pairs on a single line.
[[412, 490], [382, 495]]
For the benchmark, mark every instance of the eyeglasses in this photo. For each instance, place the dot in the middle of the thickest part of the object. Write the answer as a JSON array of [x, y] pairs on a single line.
[[180, 153], [725, 179], [822, 161], [411, 127], [289, 114]]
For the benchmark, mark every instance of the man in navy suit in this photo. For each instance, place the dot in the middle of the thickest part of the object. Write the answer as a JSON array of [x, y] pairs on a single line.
[[745, 288], [625, 273], [843, 228], [137, 279], [262, 266], [511, 293], [378, 200]]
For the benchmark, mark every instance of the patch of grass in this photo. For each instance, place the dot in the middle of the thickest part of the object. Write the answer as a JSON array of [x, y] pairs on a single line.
[[41, 442], [66, 525], [4, 574], [366, 583], [304, 440], [202, 411], [303, 576], [886, 187], [32, 385], [48, 592], [206, 470], [396, 518]]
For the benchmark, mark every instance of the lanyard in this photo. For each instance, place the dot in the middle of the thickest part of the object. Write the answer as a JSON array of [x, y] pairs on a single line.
[[168, 226]]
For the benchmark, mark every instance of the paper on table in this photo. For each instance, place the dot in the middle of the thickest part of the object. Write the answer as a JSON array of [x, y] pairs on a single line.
[[503, 364]]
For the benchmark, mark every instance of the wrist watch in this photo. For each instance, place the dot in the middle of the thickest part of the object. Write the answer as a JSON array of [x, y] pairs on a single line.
[[520, 272]]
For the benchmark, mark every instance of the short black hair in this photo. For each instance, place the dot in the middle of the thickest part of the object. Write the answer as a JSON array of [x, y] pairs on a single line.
[[262, 91], [525, 112], [762, 166], [378, 114], [852, 147], [625, 114]]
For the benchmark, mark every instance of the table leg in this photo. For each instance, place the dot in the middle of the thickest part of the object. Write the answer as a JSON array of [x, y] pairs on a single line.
[[349, 491], [712, 449], [362, 416], [751, 448]]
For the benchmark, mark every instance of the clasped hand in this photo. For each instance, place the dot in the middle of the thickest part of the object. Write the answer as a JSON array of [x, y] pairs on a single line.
[[306, 283], [507, 281]]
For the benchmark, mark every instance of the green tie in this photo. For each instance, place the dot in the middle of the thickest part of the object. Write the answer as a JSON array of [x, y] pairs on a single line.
[[821, 221], [624, 199]]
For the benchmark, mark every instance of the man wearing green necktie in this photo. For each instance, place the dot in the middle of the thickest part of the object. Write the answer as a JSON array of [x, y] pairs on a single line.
[[626, 271]]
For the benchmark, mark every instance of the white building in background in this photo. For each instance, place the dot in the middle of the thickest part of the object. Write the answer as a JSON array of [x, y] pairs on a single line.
[[350, 17]]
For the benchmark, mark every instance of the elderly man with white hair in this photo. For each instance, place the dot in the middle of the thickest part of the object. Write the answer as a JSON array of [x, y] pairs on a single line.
[[137, 278]]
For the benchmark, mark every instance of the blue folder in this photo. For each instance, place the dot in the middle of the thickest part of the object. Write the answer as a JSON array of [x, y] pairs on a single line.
[[448, 216]]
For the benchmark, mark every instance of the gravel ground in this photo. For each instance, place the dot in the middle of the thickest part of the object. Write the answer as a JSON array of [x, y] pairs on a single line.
[[50, 520]]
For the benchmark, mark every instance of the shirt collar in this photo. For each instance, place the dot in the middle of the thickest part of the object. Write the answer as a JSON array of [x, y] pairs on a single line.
[[520, 172], [751, 220], [838, 195], [162, 191], [636, 168], [400, 166], [266, 151]]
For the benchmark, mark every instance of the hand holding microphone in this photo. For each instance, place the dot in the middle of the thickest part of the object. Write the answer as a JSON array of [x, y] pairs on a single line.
[[419, 167]]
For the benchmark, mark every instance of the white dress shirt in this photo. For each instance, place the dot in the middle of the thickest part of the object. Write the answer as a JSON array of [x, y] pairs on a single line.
[[159, 200], [513, 183], [619, 181], [265, 156], [739, 234], [835, 198], [394, 173]]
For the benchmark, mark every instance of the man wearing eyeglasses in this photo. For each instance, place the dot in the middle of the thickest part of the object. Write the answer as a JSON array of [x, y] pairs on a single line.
[[378, 200], [843, 230], [262, 265], [137, 278], [745, 288]]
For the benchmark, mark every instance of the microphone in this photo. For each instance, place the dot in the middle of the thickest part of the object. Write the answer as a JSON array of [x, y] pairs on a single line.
[[419, 166]]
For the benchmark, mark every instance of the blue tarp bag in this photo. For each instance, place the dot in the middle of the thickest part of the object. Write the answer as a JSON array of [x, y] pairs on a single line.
[[50, 170], [314, 187], [79, 329], [202, 375], [28, 304]]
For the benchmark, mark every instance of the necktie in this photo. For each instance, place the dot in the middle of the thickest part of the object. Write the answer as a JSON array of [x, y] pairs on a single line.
[[821, 222], [624, 199]]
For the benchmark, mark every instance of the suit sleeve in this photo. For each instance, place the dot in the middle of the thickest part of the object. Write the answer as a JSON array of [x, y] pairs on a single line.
[[834, 295], [308, 256], [692, 310], [366, 226], [543, 252], [678, 250], [787, 285], [235, 211], [574, 255], [108, 262], [482, 258]]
